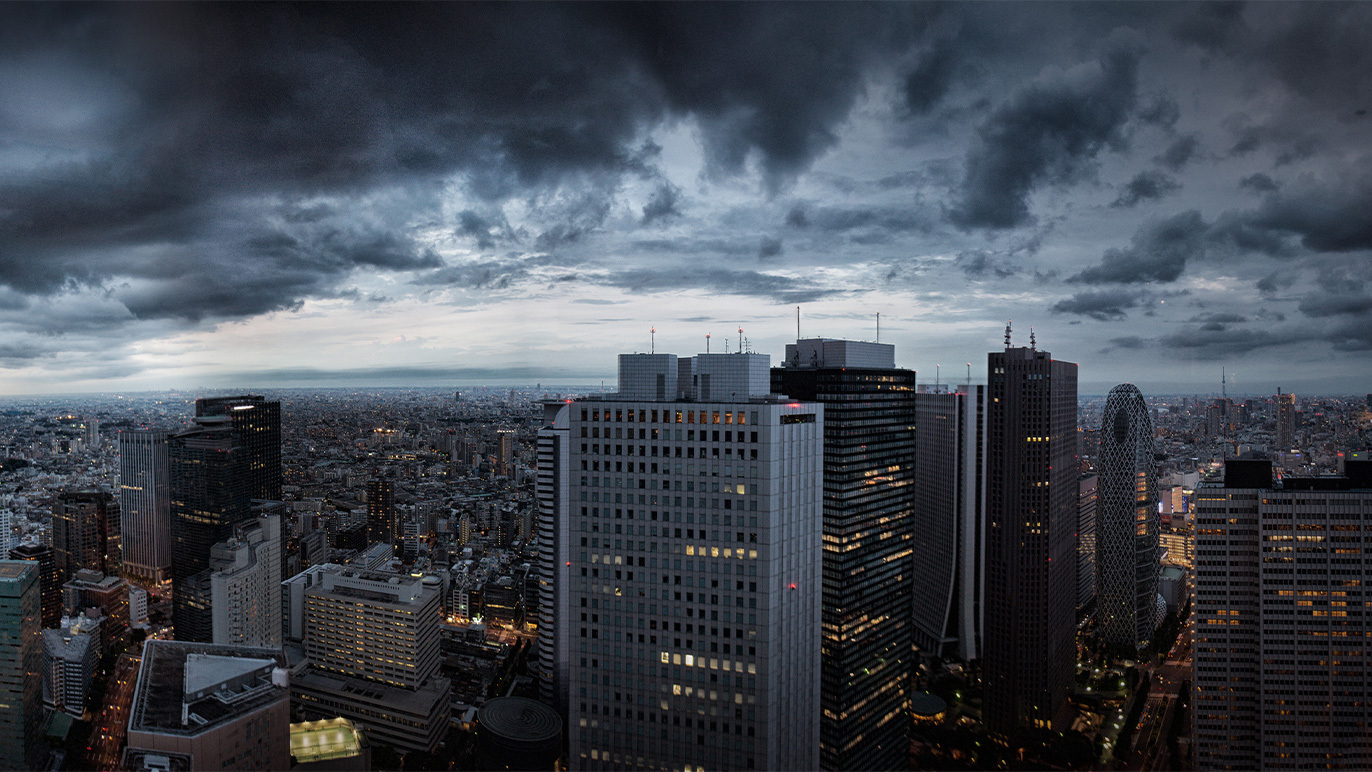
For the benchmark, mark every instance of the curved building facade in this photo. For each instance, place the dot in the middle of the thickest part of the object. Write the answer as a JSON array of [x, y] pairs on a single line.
[[1126, 522]]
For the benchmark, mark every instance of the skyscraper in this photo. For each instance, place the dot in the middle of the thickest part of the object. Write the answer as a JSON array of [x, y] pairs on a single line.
[[85, 532], [1127, 524], [381, 518], [1286, 421], [552, 492], [868, 511], [1088, 504], [950, 496], [209, 485], [505, 439], [145, 504], [1281, 643], [257, 422], [694, 585], [21, 662], [1029, 656], [49, 581]]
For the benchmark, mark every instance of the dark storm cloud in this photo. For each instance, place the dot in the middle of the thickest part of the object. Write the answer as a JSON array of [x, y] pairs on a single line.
[[1328, 215], [1105, 306], [1157, 252], [1127, 342], [1196, 343], [931, 76], [1320, 304], [663, 203], [1149, 185], [213, 106], [769, 248], [1049, 132], [1180, 152], [1161, 110], [1210, 26], [487, 230], [980, 264], [1259, 182]]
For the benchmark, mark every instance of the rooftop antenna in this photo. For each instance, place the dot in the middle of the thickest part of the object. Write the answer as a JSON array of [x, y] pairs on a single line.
[[707, 343], [1032, 345], [740, 340], [969, 377], [653, 349], [1223, 388], [797, 324], [878, 327], [1007, 333], [936, 370]]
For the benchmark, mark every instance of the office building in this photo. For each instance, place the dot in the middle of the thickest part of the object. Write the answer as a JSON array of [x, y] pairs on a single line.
[[382, 525], [694, 587], [21, 662], [1286, 421], [1029, 638], [868, 538], [245, 584], [49, 581], [215, 707], [1281, 653], [85, 532], [68, 665], [209, 486], [950, 494], [138, 606], [110, 594], [552, 493], [1127, 524], [257, 422], [372, 641], [1088, 501], [145, 504], [505, 443]]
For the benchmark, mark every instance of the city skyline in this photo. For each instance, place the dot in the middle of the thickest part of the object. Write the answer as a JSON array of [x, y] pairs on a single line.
[[270, 197]]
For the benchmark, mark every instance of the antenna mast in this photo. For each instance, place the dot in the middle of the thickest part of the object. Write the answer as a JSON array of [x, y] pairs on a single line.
[[1032, 345], [878, 327], [797, 324], [707, 343], [969, 377], [1007, 333], [653, 346], [936, 372], [1224, 394], [740, 340]]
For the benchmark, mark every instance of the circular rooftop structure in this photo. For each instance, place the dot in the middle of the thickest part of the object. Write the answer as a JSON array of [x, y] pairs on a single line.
[[518, 733], [927, 705]]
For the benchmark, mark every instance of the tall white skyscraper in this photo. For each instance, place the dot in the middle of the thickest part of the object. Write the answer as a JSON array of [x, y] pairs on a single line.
[[245, 584], [144, 504], [692, 544]]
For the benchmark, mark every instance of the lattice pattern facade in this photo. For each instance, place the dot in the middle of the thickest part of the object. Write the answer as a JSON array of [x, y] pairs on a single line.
[[1127, 522]]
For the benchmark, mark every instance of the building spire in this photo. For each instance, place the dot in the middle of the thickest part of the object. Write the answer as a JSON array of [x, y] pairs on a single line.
[[1007, 333]]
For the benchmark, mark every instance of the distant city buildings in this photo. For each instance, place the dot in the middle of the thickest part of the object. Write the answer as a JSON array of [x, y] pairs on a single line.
[[1029, 641], [1127, 604], [1281, 670], [1286, 421], [1088, 522], [50, 582], [85, 532], [382, 524], [69, 661]]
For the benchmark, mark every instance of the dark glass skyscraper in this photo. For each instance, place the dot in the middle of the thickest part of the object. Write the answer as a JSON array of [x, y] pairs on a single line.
[[210, 494], [1031, 562], [85, 532], [49, 583], [1126, 523], [382, 525], [258, 424], [869, 468]]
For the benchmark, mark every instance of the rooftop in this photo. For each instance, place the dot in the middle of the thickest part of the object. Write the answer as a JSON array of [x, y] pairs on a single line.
[[330, 738], [164, 673]]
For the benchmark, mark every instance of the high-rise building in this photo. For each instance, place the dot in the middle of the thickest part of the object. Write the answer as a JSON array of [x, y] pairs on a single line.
[[950, 496], [505, 439], [1127, 524], [1088, 504], [869, 538], [68, 666], [209, 495], [21, 662], [1281, 664], [245, 584], [85, 532], [1029, 639], [257, 422], [1286, 421], [381, 518], [372, 641], [91, 589], [552, 492], [207, 706], [145, 504], [695, 597], [50, 582]]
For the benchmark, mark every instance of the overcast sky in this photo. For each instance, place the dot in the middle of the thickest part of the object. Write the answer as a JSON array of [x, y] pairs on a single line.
[[204, 196]]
